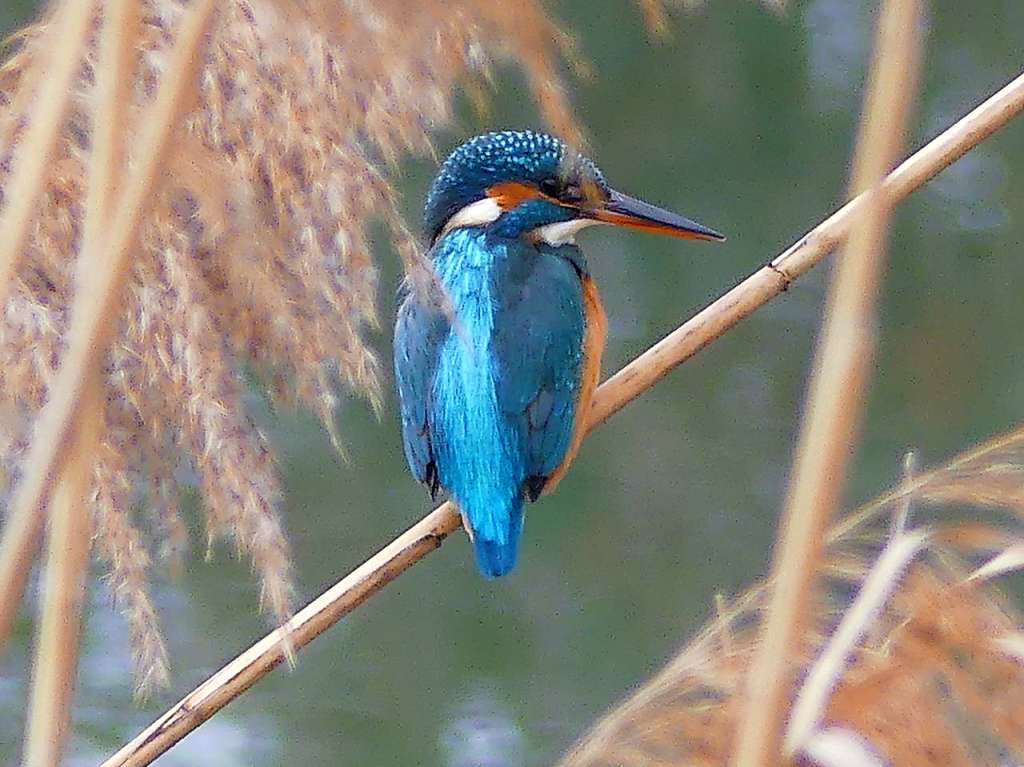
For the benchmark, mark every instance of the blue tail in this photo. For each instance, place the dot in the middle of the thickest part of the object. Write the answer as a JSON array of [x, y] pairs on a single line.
[[497, 549]]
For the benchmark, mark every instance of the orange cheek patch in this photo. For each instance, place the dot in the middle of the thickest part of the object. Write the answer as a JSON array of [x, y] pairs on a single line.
[[509, 194]]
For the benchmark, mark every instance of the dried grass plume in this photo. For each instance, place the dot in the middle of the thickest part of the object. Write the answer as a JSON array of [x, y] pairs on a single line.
[[256, 255], [932, 664]]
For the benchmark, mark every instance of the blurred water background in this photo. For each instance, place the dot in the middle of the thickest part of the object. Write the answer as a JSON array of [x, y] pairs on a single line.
[[743, 120]]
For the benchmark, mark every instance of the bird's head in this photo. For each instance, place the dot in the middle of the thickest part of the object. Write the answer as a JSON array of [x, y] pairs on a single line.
[[527, 184]]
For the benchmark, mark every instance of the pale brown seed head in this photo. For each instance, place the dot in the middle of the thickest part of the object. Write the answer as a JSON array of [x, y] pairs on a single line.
[[936, 677], [257, 253]]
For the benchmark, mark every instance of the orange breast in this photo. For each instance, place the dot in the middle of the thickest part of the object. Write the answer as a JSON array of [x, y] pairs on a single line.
[[593, 348]]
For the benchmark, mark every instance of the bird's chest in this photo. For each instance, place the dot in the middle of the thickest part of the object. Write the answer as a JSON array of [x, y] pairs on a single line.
[[515, 311], [499, 291], [466, 410], [485, 278], [468, 275], [509, 365]]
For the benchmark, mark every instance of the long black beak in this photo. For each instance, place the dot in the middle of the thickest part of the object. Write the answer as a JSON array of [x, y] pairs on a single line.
[[623, 210]]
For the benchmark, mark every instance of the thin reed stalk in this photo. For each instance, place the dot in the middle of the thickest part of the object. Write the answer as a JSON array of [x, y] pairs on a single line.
[[920, 483], [67, 563], [838, 388], [882, 672], [54, 71], [800, 257], [630, 382], [103, 272], [70, 519], [879, 585], [110, 117]]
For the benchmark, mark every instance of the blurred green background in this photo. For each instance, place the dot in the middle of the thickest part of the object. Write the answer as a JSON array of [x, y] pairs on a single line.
[[745, 121]]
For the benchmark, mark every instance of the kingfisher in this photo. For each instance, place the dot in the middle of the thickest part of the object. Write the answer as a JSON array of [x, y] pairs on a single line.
[[496, 364]]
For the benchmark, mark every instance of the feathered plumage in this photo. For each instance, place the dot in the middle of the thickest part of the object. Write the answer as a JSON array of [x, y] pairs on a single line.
[[495, 372]]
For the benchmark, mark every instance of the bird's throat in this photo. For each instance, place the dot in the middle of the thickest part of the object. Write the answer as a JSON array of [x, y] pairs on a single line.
[[561, 232]]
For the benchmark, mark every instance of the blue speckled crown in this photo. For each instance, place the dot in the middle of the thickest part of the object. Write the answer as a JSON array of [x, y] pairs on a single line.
[[489, 159]]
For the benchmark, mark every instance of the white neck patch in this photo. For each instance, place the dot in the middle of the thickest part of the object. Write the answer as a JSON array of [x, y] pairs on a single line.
[[479, 213], [563, 232], [488, 210]]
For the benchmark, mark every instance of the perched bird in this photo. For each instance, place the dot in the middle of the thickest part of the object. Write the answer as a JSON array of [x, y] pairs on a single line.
[[496, 369]]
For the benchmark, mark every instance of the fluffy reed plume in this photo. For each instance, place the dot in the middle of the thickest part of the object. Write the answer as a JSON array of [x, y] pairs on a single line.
[[934, 675], [256, 254]]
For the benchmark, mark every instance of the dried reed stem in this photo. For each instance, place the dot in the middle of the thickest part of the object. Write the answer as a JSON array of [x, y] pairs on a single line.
[[633, 380], [765, 284], [835, 400], [901, 518], [1007, 561], [70, 526], [326, 610], [110, 117], [879, 585], [914, 486], [927, 652], [56, 652], [1012, 645], [102, 274], [55, 71]]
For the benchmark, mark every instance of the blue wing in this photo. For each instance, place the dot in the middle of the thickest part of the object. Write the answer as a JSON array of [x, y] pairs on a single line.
[[538, 347], [420, 331]]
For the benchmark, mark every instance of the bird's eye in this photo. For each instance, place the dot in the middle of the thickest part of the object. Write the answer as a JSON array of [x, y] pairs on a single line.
[[550, 186], [572, 193]]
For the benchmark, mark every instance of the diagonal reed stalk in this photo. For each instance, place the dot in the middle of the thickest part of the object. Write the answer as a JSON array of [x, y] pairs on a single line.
[[838, 389], [70, 519], [102, 274], [633, 380]]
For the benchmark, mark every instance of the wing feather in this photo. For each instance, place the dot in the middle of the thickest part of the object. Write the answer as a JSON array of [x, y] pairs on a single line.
[[420, 331], [538, 347]]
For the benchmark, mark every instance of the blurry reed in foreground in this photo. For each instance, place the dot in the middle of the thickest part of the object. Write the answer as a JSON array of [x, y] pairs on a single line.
[[913, 657], [838, 384], [256, 254]]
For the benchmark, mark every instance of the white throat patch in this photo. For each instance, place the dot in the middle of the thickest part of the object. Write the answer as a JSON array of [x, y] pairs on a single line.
[[488, 210], [479, 213], [564, 232]]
